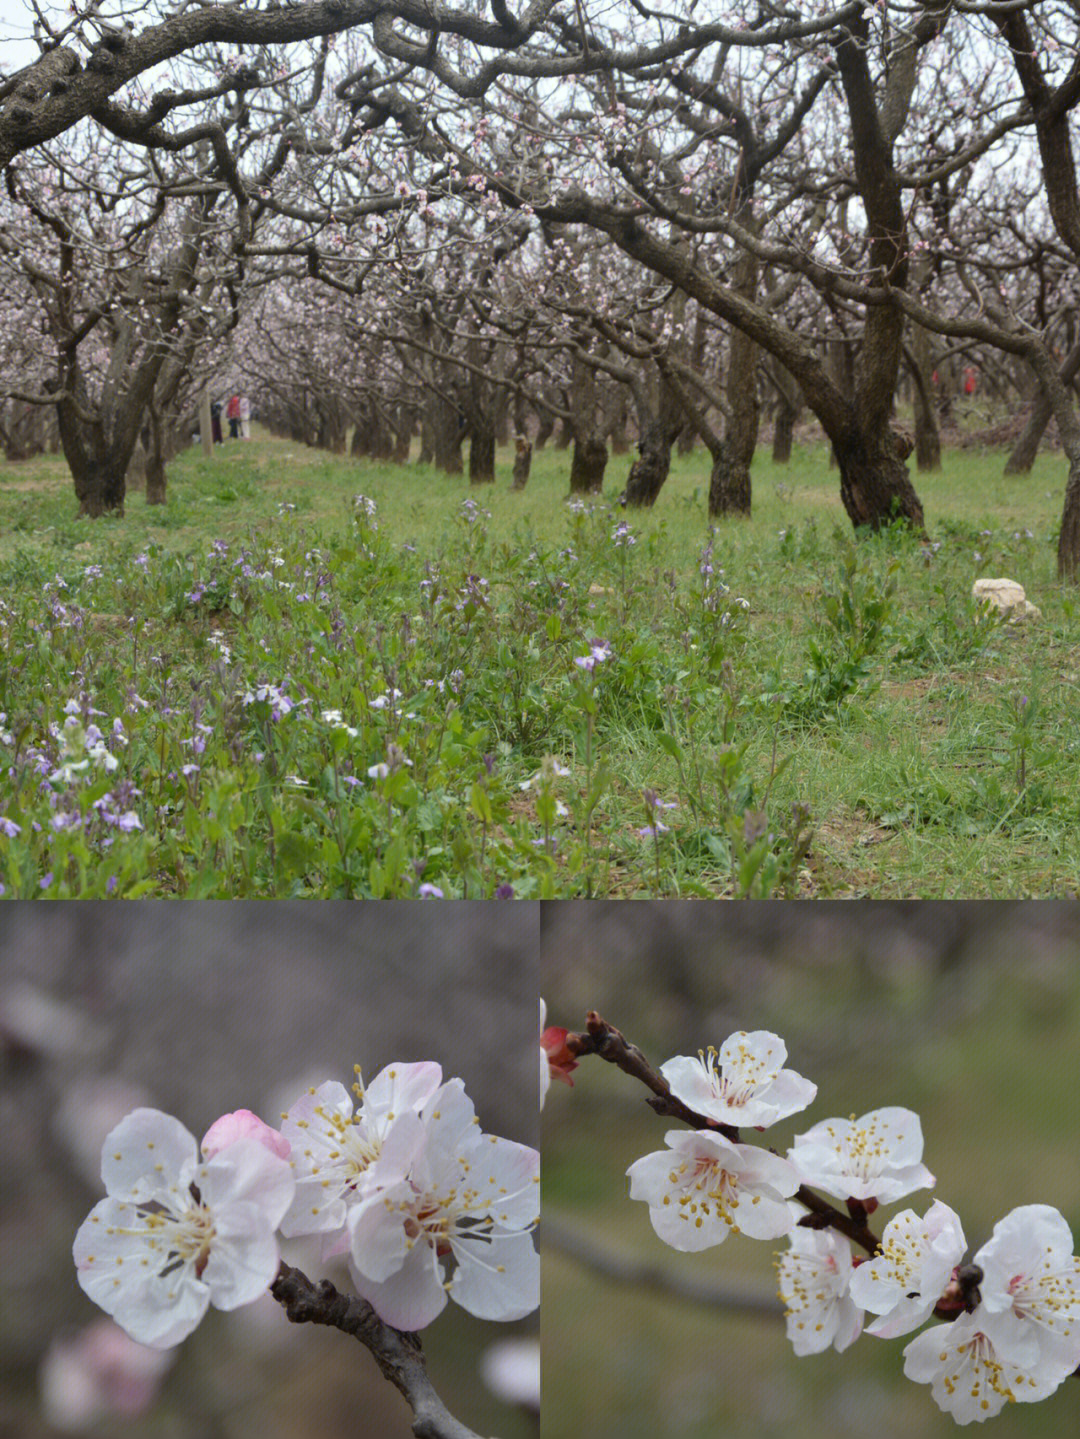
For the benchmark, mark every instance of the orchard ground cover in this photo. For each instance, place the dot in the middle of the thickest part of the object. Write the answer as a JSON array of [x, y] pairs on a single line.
[[273, 688]]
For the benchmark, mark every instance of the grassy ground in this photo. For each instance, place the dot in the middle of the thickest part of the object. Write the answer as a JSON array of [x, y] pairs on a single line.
[[984, 1054], [934, 752]]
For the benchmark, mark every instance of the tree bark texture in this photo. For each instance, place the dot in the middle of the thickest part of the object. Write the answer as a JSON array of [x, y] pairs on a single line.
[[587, 465], [651, 468], [783, 430], [875, 486], [447, 435], [522, 462], [927, 434], [482, 456]]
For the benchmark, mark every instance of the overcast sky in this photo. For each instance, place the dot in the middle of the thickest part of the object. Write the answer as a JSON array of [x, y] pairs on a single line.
[[16, 25]]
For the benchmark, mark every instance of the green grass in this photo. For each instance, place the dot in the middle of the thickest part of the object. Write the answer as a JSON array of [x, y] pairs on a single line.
[[860, 686]]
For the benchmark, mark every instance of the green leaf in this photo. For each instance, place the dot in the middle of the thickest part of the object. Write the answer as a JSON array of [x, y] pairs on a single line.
[[670, 745]]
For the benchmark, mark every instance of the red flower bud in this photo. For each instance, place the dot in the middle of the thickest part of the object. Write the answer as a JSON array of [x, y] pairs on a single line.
[[560, 1058]]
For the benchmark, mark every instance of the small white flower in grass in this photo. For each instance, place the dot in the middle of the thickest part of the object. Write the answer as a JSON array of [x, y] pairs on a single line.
[[340, 1152], [814, 1277], [969, 1376], [175, 1234], [704, 1186], [875, 1157], [459, 1225], [905, 1281], [744, 1083], [1030, 1274]]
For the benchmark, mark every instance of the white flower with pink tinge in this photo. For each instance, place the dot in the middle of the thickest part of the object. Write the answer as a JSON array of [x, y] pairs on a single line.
[[814, 1277], [340, 1151], [745, 1082], [177, 1234], [875, 1157], [703, 1186], [905, 1281], [459, 1224], [1031, 1285], [972, 1376]]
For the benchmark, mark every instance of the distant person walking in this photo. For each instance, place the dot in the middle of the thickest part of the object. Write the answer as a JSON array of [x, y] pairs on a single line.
[[232, 414], [215, 423], [245, 418]]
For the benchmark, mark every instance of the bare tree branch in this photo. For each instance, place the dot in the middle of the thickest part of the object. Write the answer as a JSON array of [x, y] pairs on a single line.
[[397, 1354]]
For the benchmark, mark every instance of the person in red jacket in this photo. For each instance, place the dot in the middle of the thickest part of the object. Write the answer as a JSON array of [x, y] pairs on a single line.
[[232, 414]]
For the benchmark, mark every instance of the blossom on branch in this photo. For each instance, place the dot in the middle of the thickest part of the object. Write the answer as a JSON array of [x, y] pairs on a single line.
[[814, 1278], [339, 1156], [744, 1083], [1031, 1278], [177, 1234], [704, 1186], [875, 1157], [469, 1202], [970, 1376], [905, 1281]]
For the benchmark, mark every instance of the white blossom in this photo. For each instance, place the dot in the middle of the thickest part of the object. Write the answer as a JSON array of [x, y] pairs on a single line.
[[704, 1186], [467, 1205], [814, 1277], [175, 1234], [744, 1083], [875, 1157], [905, 1281]]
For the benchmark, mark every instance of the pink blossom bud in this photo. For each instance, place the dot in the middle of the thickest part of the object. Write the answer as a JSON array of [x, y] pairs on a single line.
[[242, 1124], [561, 1059]]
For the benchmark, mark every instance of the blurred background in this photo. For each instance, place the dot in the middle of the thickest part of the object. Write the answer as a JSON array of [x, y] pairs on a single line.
[[198, 1009], [967, 1013]]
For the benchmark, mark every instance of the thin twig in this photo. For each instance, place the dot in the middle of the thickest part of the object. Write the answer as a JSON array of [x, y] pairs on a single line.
[[609, 1043]]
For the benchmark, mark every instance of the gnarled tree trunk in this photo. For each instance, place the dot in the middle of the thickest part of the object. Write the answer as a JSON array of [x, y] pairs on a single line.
[[874, 482], [783, 430], [155, 460], [482, 456], [447, 434], [1026, 448], [652, 466], [729, 483], [522, 462], [587, 465]]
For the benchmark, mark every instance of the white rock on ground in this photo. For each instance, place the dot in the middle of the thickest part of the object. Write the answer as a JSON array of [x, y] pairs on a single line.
[[1007, 596]]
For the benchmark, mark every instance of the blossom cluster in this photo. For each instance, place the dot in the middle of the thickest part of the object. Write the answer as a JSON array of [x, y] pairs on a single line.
[[1012, 1330], [397, 1178]]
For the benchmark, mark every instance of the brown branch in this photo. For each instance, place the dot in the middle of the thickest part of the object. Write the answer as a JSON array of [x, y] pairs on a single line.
[[824, 1215], [398, 1355], [605, 1040]]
